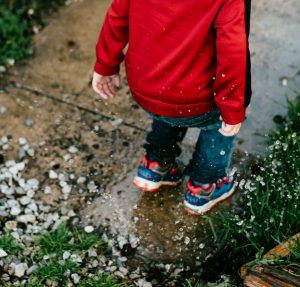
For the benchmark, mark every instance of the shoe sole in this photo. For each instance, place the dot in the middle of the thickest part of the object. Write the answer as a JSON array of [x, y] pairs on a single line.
[[150, 186], [200, 210]]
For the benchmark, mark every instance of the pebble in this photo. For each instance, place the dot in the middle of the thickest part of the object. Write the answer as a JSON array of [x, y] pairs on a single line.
[[26, 218], [117, 122], [15, 211], [47, 189], [15, 235], [11, 224], [89, 229], [92, 252], [24, 200], [66, 255], [5, 277], [31, 269], [2, 110], [66, 189], [119, 274], [71, 213], [76, 258], [53, 174], [20, 269], [29, 122], [75, 277], [73, 149], [123, 270], [22, 141], [2, 69], [2, 253]]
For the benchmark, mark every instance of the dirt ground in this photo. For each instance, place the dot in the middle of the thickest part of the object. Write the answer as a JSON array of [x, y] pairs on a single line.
[[53, 89]]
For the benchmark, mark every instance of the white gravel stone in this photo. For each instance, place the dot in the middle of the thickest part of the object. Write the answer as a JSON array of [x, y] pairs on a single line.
[[15, 211], [89, 229], [12, 203], [53, 174], [75, 277], [2, 253], [66, 255], [26, 218], [22, 141], [47, 189], [71, 213], [92, 252], [31, 152], [66, 189], [31, 269], [33, 184], [24, 200], [123, 270], [15, 235], [2, 109], [76, 258], [11, 224], [72, 149], [20, 269]]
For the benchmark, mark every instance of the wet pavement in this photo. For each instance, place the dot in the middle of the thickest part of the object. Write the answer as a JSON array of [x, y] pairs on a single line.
[[53, 89]]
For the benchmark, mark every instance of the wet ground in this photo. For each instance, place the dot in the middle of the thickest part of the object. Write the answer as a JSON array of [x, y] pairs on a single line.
[[53, 90]]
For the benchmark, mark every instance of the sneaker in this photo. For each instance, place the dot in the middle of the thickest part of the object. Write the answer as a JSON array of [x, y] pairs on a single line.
[[201, 199], [151, 175]]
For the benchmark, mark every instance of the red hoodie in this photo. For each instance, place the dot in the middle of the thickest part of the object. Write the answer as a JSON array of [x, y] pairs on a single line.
[[184, 58]]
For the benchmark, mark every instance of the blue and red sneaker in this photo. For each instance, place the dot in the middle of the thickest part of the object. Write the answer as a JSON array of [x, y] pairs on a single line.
[[151, 175], [201, 199]]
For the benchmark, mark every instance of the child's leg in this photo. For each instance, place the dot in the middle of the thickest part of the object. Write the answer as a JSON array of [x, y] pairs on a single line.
[[209, 181], [162, 142], [212, 156], [158, 167]]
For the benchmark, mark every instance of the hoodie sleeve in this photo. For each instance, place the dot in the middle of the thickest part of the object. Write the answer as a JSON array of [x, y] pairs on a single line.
[[112, 39], [231, 51]]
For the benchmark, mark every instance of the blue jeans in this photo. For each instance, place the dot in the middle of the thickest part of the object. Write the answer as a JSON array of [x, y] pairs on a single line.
[[212, 154]]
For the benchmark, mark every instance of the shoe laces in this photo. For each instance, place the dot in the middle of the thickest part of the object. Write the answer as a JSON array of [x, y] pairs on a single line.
[[194, 190], [146, 163], [225, 180]]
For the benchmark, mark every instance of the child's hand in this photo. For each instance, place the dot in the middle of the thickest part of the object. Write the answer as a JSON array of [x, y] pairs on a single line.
[[229, 130], [104, 85]]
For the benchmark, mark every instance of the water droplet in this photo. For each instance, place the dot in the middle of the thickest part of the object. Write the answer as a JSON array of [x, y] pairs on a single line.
[[214, 78], [215, 93], [222, 152], [223, 75]]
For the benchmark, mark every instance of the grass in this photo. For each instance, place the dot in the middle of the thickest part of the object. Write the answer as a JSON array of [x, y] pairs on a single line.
[[53, 270], [271, 199], [101, 281], [18, 20], [54, 243], [290, 263], [8, 244], [63, 239]]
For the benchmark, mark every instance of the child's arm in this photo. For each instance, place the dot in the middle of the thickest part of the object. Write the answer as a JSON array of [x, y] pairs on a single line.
[[231, 49], [109, 49]]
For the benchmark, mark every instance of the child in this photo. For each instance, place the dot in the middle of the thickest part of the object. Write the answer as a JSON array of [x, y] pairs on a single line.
[[187, 65]]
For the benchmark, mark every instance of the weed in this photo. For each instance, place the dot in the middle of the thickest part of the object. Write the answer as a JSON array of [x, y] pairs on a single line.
[[18, 21], [53, 271], [8, 244], [14, 39], [271, 199], [101, 281], [63, 239]]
